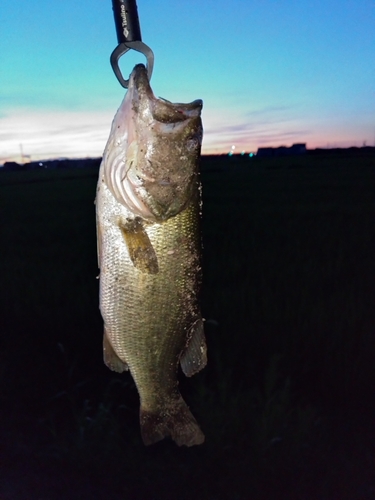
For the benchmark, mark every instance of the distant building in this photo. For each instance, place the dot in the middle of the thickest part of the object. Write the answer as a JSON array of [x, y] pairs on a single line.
[[295, 149], [13, 165], [298, 149], [53, 164], [265, 152]]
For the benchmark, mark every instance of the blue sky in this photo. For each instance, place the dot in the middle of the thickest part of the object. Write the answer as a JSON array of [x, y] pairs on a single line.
[[270, 72]]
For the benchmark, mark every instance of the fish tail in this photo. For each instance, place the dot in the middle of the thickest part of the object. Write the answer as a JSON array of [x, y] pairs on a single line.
[[174, 419]]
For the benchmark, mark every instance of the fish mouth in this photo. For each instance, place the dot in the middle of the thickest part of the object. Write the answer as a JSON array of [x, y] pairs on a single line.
[[161, 109]]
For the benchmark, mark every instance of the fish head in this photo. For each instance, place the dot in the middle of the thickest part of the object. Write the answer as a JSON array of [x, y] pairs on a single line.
[[152, 156]]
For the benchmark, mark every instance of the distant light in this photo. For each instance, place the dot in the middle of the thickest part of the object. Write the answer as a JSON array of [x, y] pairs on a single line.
[[233, 147], [242, 153], [40, 164], [230, 153], [251, 154]]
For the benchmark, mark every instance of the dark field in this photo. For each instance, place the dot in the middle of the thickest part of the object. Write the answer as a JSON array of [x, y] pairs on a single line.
[[287, 399]]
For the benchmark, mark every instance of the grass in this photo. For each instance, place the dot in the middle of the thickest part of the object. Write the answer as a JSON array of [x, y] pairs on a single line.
[[288, 297]]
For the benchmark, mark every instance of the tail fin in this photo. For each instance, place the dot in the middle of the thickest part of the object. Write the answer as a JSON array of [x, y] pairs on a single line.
[[172, 419]]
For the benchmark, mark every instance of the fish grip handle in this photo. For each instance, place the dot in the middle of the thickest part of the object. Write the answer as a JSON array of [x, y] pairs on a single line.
[[129, 37]]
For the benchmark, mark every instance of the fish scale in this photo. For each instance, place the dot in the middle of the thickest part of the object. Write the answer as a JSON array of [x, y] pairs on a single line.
[[149, 261], [163, 295]]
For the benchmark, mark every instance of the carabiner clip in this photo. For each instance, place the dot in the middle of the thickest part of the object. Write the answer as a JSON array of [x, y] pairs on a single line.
[[129, 37]]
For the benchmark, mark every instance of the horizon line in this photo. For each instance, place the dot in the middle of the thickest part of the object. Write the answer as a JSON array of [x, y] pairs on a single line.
[[229, 153]]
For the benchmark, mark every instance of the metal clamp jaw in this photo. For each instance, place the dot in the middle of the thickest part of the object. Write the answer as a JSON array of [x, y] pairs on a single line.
[[129, 37], [121, 49]]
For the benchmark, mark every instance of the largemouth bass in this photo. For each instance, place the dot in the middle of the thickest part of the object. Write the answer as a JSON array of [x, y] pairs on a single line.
[[148, 212]]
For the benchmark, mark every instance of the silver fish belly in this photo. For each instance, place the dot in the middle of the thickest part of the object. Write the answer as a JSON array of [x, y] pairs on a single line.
[[148, 214]]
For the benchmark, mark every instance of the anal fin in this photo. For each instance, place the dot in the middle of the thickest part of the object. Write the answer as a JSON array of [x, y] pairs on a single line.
[[194, 357], [111, 359]]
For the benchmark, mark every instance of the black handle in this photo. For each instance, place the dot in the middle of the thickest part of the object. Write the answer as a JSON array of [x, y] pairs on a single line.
[[126, 21], [129, 37]]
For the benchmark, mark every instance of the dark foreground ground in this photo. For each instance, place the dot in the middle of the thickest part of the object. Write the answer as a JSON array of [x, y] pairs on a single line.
[[287, 399]]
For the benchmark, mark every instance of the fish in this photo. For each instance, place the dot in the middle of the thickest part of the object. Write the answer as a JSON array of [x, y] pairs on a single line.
[[148, 209]]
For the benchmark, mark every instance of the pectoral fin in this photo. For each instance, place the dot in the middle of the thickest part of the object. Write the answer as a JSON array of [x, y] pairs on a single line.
[[140, 249], [194, 357], [111, 359]]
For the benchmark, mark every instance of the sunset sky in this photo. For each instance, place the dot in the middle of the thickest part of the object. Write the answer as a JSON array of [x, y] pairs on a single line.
[[270, 72]]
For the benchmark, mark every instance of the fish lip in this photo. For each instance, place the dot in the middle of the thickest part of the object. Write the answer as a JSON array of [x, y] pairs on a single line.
[[162, 110], [139, 81]]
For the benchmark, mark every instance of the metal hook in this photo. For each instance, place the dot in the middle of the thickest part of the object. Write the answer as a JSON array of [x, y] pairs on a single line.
[[129, 37], [121, 49]]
